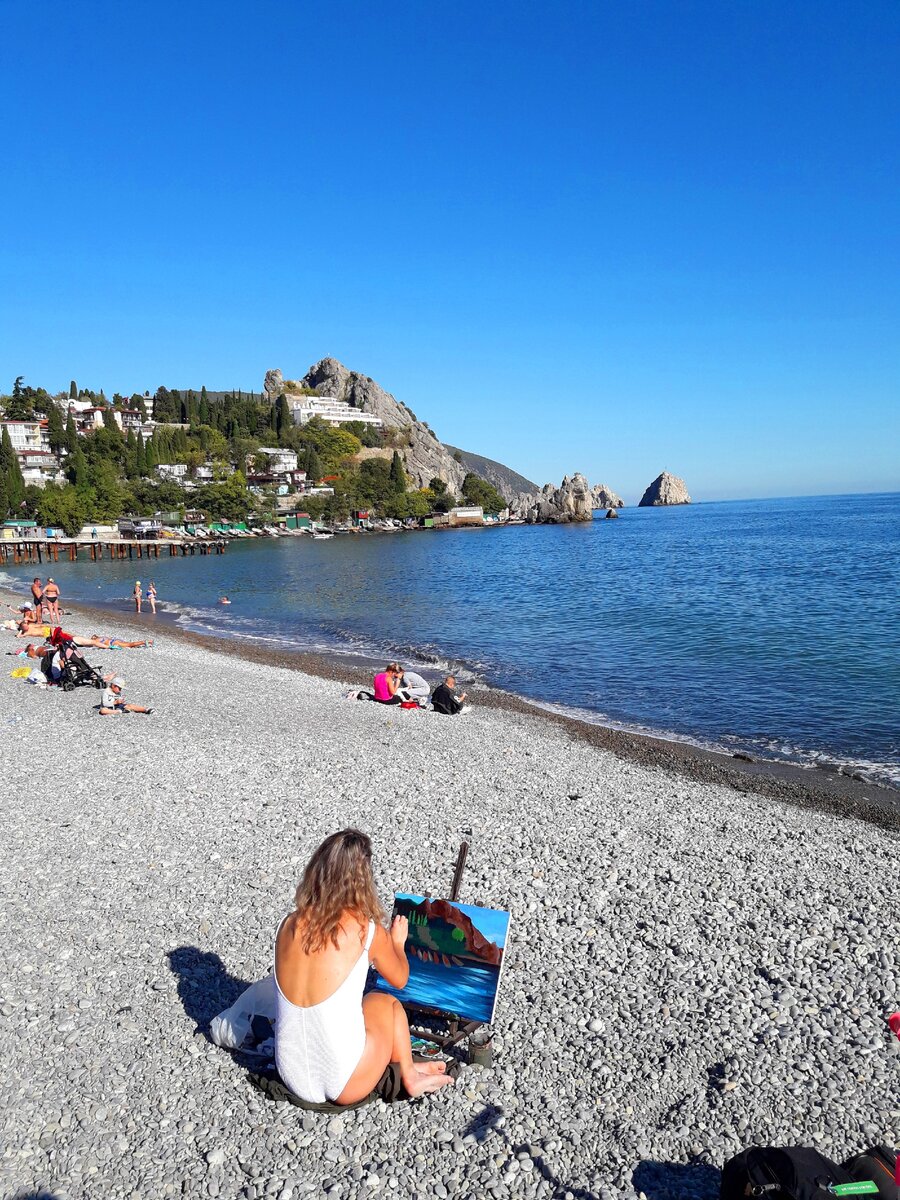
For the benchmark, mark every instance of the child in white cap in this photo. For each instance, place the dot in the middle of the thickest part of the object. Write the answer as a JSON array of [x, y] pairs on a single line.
[[112, 701]]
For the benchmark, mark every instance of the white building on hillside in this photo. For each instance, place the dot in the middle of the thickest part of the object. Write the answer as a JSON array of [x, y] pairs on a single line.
[[40, 467], [174, 471], [328, 409], [27, 435], [281, 461]]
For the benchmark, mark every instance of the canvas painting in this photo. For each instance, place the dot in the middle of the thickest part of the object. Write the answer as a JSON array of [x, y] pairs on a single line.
[[455, 954]]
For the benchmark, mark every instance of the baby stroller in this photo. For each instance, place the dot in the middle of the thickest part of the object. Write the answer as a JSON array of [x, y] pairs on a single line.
[[75, 670]]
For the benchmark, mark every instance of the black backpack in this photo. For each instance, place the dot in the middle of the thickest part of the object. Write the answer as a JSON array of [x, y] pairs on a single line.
[[879, 1164], [781, 1173]]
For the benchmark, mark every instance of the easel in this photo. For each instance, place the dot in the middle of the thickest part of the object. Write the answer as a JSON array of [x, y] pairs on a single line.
[[457, 1030]]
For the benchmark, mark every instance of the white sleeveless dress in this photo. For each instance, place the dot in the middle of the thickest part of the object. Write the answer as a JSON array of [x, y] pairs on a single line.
[[318, 1047]]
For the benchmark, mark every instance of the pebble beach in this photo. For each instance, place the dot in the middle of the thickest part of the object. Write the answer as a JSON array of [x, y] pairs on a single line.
[[691, 969]]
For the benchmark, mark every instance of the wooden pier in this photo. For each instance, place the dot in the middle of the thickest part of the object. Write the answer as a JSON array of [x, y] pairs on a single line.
[[41, 550]]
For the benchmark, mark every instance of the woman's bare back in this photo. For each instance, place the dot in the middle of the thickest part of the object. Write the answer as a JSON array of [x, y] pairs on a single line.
[[308, 979]]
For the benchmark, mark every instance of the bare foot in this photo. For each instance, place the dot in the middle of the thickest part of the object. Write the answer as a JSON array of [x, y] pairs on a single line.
[[417, 1082], [436, 1066]]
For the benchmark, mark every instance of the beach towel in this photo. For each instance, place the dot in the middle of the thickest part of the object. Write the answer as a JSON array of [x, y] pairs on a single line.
[[20, 672]]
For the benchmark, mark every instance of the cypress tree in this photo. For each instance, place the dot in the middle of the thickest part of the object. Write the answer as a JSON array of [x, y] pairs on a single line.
[[140, 456], [398, 475], [312, 465], [71, 434], [55, 432], [73, 390]]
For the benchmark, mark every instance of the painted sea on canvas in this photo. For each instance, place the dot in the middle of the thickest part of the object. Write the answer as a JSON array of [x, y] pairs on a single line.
[[769, 627], [455, 953]]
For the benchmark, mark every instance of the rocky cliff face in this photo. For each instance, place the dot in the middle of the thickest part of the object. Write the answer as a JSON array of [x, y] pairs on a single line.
[[605, 497], [274, 385], [573, 500], [424, 456], [665, 489]]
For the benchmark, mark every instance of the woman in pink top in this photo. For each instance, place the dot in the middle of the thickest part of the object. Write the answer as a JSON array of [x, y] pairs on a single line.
[[385, 684]]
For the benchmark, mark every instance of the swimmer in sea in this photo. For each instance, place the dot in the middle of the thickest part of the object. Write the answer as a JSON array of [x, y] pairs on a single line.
[[224, 600]]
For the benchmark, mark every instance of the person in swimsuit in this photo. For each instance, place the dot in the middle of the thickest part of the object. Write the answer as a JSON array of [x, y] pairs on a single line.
[[331, 1042], [37, 594], [138, 595], [50, 602], [151, 596]]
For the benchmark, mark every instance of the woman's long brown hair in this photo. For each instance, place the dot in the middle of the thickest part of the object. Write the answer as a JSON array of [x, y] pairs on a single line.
[[337, 880]]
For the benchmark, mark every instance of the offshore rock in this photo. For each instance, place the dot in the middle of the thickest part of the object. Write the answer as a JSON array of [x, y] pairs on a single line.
[[274, 384], [424, 457], [572, 501], [665, 489], [605, 497]]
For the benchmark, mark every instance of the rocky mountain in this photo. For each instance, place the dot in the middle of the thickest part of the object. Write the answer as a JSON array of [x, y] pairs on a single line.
[[665, 489], [508, 483], [605, 497], [425, 457]]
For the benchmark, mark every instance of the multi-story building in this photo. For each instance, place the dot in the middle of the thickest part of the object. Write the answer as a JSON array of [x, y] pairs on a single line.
[[329, 409], [174, 471], [40, 467], [281, 461], [27, 435]]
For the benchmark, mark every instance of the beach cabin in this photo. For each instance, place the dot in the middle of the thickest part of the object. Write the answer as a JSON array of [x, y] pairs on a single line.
[[300, 520], [361, 518], [139, 527], [469, 514], [18, 529]]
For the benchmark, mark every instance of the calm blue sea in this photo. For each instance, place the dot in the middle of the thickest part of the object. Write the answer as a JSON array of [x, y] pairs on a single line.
[[769, 626]]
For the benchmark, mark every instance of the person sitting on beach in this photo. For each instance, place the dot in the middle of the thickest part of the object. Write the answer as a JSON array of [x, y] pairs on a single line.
[[331, 1042], [384, 685], [137, 595], [413, 687], [443, 699], [50, 602], [37, 595], [112, 702]]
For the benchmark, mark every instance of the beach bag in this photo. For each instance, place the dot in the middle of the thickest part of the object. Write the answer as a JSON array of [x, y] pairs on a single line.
[[781, 1173], [409, 704], [879, 1164], [249, 1024]]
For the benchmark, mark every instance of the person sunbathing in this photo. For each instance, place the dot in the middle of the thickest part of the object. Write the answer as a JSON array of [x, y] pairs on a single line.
[[108, 643], [331, 1042]]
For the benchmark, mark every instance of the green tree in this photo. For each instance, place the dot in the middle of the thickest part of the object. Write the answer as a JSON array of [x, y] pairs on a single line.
[[56, 433], [478, 491], [77, 468], [437, 486], [312, 465], [61, 506], [398, 475], [71, 434], [73, 390]]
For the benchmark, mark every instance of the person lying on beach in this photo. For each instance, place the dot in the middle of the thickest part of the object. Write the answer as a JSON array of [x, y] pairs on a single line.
[[413, 687], [29, 627], [444, 700], [108, 643], [331, 1042], [112, 701], [50, 602]]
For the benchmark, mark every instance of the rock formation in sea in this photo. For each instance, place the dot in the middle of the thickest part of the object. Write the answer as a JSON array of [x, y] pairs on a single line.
[[605, 497], [573, 500], [665, 489]]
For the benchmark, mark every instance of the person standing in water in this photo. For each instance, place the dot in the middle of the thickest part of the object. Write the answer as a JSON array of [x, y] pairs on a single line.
[[138, 595], [151, 596]]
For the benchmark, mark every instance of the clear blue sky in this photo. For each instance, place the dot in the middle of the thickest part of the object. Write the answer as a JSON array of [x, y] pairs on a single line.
[[599, 236]]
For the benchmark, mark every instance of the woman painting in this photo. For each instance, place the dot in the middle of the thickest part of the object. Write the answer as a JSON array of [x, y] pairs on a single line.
[[138, 595], [331, 1043]]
